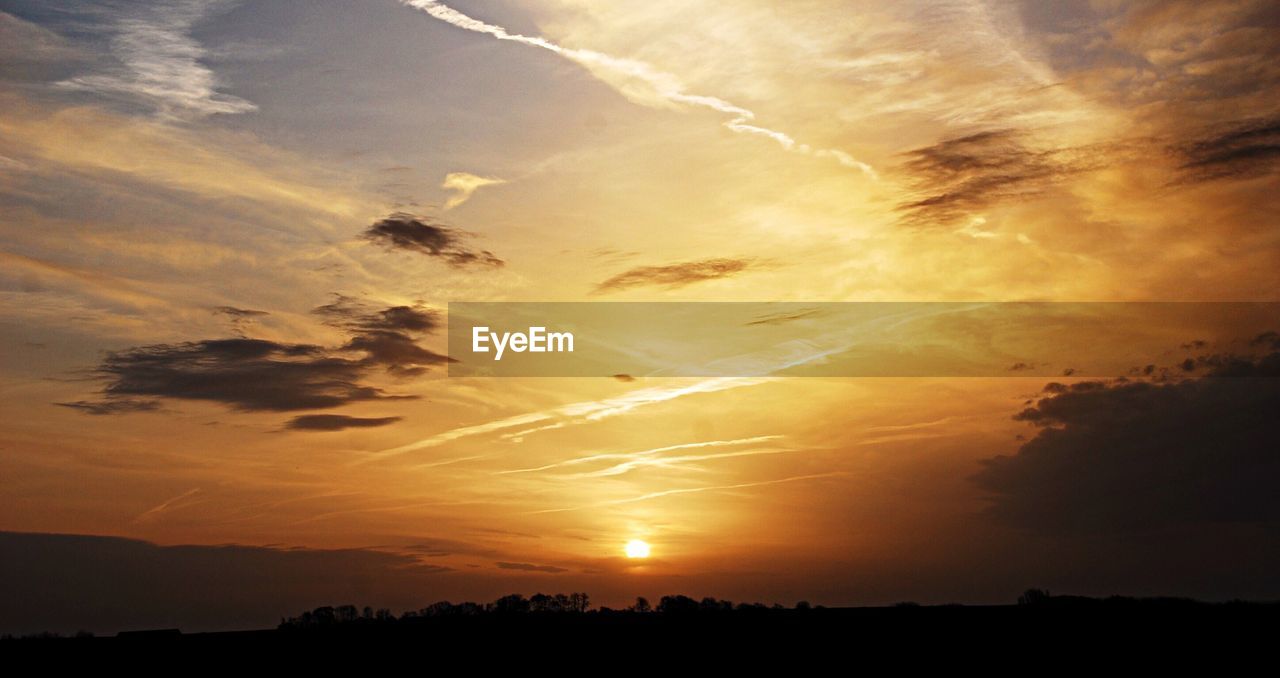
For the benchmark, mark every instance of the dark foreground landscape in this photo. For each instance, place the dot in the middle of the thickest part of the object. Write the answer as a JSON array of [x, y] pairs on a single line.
[[1059, 626]]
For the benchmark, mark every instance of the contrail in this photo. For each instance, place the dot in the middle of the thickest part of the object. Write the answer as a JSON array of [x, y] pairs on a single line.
[[573, 413], [662, 88], [692, 490], [643, 453], [164, 506]]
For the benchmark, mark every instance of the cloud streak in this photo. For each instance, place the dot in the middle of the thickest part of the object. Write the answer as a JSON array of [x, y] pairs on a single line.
[[957, 178], [1242, 150], [672, 276], [336, 422], [161, 63], [109, 407], [530, 567], [642, 83]]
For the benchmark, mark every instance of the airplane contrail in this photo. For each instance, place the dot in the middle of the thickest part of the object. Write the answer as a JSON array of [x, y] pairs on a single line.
[[630, 456], [693, 490], [663, 88], [579, 412]]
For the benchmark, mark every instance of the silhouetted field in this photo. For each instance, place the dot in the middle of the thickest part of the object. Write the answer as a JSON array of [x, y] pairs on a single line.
[[682, 624]]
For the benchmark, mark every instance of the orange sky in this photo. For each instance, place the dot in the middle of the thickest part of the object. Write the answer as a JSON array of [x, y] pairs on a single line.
[[286, 174]]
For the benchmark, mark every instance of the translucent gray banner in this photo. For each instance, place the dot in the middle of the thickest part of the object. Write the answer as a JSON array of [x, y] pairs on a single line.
[[853, 339]]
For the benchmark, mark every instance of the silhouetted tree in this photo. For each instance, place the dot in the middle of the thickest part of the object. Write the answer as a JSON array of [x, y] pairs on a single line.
[[511, 604], [642, 605], [677, 605], [1034, 597], [804, 606], [710, 604], [439, 609]]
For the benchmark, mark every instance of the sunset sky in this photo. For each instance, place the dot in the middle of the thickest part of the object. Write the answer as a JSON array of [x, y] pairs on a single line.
[[230, 230]]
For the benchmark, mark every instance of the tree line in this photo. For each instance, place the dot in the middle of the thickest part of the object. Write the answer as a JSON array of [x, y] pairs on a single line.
[[514, 604]]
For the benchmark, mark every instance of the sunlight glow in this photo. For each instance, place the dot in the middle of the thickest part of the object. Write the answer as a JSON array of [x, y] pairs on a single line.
[[637, 549]]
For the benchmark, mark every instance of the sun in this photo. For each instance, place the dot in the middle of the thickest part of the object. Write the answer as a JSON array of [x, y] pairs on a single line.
[[637, 549]]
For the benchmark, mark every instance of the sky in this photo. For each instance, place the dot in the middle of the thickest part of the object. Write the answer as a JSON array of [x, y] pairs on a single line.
[[230, 232]]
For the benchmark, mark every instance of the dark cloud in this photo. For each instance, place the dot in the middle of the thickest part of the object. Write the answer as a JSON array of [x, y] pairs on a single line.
[[1125, 456], [386, 335], [239, 312], [246, 374], [530, 567], [395, 351], [118, 406], [62, 582], [408, 232], [259, 375], [353, 314], [336, 422], [1269, 339], [1235, 151], [675, 275], [956, 177]]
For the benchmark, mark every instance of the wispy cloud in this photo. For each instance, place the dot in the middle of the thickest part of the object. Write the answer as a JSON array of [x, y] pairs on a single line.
[[956, 179], [674, 275], [1242, 149], [160, 62], [642, 83], [464, 185]]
